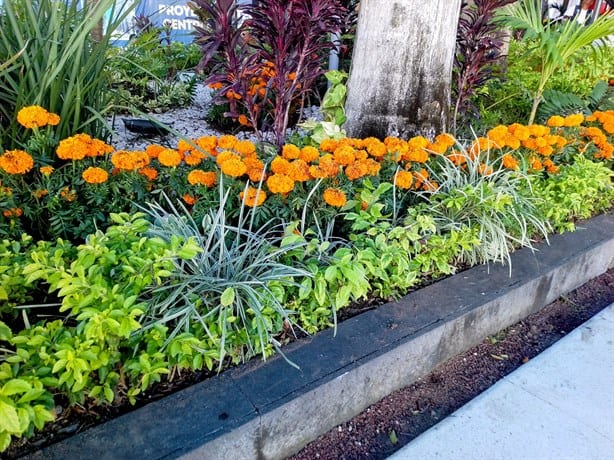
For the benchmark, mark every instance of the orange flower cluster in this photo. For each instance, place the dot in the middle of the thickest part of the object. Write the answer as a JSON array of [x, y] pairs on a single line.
[[125, 160], [12, 212], [170, 158], [34, 116], [606, 119], [95, 175], [600, 140], [46, 170], [200, 177], [68, 194], [16, 162], [79, 146], [238, 158], [149, 173], [253, 197], [334, 197]]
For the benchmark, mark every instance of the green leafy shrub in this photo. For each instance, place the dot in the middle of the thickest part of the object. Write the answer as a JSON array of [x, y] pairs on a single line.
[[580, 190]]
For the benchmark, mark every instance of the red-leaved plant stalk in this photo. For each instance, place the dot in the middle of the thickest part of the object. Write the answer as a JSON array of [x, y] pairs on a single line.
[[291, 38], [478, 48]]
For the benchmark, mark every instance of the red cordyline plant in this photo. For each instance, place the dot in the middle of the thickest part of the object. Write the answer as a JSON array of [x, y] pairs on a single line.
[[478, 48], [266, 57]]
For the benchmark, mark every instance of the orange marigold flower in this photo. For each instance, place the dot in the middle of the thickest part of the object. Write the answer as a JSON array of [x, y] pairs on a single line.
[[299, 171], [290, 152], [536, 164], [608, 127], [193, 157], [255, 168], [334, 197], [416, 155], [68, 194], [74, 147], [539, 130], [545, 151], [243, 120], [329, 145], [12, 212], [200, 177], [189, 199], [329, 166], [530, 144], [149, 172], [46, 170], [53, 119], [457, 157], [33, 116], [356, 170], [555, 121], [280, 183], [98, 148], [541, 142], [226, 142], [575, 119], [245, 148], [123, 160], [445, 139], [403, 179], [512, 141], [375, 147], [154, 150], [309, 154], [233, 167], [184, 146], [280, 165], [95, 175], [208, 144], [437, 148], [140, 158], [520, 132], [418, 142], [481, 144], [509, 161], [225, 156], [344, 155], [16, 162], [170, 158], [485, 169], [373, 166], [420, 177], [254, 197], [38, 194]]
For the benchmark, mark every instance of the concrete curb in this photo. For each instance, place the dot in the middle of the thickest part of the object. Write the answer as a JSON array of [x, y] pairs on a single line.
[[270, 410]]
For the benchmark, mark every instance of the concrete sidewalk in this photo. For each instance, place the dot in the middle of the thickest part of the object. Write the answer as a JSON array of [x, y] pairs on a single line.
[[560, 405]]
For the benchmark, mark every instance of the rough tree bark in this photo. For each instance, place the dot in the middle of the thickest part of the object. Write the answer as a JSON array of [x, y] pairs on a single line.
[[402, 68]]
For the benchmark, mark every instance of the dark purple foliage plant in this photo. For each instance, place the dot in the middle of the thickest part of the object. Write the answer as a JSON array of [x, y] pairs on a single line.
[[478, 49], [265, 58]]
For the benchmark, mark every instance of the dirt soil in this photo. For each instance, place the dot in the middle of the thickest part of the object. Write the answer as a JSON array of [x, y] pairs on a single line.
[[386, 426]]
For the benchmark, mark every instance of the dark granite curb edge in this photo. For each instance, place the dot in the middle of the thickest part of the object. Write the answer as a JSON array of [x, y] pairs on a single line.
[[270, 410]]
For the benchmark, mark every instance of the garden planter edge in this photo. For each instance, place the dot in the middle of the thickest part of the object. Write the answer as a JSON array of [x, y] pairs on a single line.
[[269, 410]]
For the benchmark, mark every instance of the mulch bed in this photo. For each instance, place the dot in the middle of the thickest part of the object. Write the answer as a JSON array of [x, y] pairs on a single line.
[[386, 426]]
